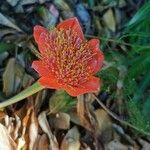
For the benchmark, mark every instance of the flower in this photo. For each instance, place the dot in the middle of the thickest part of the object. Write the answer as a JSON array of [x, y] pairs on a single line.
[[66, 60]]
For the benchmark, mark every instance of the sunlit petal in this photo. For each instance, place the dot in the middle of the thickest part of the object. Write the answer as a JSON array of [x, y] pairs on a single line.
[[72, 24]]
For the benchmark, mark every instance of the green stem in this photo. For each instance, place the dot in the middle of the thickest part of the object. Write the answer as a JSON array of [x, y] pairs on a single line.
[[118, 119], [34, 88]]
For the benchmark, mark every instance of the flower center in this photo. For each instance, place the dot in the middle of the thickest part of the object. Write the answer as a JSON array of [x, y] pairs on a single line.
[[67, 57]]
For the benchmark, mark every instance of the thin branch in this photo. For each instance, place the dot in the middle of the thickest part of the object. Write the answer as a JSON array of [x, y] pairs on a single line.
[[114, 40], [118, 119]]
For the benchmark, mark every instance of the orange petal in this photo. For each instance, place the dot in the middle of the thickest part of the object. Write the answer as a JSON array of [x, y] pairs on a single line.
[[92, 85], [43, 42], [97, 60], [72, 24], [37, 32], [94, 44], [49, 83], [41, 69]]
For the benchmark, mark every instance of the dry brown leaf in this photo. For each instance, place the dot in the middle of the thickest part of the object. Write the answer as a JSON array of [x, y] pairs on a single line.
[[116, 145], [9, 77], [39, 100], [43, 143], [74, 117], [109, 20], [2, 115], [85, 147], [66, 11], [103, 119], [21, 143], [27, 80], [33, 132], [4, 20], [71, 140], [46, 128], [145, 144], [85, 113], [17, 128], [9, 124], [24, 139], [6, 142], [13, 126], [60, 120]]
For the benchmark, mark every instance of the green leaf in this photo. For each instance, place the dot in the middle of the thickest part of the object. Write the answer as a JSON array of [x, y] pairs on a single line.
[[34, 88], [61, 102], [6, 46]]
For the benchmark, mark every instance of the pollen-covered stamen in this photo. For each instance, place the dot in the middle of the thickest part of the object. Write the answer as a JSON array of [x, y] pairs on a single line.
[[67, 57]]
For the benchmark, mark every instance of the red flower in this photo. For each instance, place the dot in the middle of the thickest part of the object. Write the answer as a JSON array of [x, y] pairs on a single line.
[[67, 60]]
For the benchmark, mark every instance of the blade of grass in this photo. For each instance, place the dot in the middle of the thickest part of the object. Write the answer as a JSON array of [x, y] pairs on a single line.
[[141, 14]]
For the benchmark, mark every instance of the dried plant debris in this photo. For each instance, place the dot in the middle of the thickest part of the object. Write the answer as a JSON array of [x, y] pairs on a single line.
[[53, 120]]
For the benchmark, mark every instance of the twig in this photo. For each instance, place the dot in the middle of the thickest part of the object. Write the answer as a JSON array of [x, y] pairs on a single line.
[[113, 40], [118, 119]]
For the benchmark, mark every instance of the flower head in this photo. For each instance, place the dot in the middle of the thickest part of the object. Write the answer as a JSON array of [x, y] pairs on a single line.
[[67, 60]]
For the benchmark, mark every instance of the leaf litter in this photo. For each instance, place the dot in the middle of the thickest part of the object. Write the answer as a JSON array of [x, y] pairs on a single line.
[[52, 120]]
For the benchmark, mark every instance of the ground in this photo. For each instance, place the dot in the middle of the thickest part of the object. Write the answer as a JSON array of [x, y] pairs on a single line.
[[114, 118]]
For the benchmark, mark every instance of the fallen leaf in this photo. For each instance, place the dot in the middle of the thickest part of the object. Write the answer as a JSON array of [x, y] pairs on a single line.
[[71, 140], [21, 143], [40, 97], [145, 144], [117, 145], [85, 113], [21, 3], [33, 132], [2, 114], [46, 128], [109, 20], [6, 22], [26, 80], [43, 143], [17, 127], [60, 120], [84, 16], [48, 19], [64, 8], [24, 138], [85, 147], [9, 77], [122, 3], [103, 119], [6, 142], [13, 2]]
